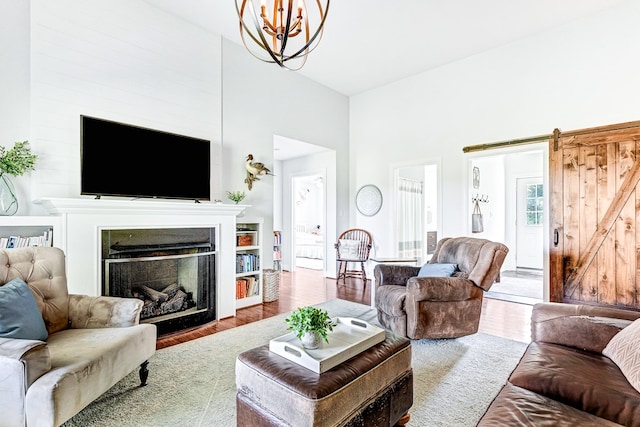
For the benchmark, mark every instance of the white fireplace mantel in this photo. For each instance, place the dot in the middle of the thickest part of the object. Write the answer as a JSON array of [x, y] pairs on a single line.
[[58, 206], [82, 221]]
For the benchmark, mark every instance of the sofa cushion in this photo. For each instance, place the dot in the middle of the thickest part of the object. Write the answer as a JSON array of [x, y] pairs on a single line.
[[85, 363], [623, 350], [437, 270], [19, 314], [516, 406], [585, 380]]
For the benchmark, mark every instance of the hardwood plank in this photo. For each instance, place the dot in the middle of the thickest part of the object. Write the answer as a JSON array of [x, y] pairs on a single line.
[[572, 228], [556, 221], [607, 154], [589, 218], [625, 224], [307, 287]]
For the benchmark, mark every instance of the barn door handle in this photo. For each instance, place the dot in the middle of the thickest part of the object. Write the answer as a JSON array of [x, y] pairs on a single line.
[[556, 237]]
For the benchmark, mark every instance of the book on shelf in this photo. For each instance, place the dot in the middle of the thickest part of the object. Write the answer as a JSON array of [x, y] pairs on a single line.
[[246, 263], [277, 238], [12, 242], [246, 287]]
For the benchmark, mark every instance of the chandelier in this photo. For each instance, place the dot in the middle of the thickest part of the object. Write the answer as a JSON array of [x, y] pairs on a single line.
[[281, 33]]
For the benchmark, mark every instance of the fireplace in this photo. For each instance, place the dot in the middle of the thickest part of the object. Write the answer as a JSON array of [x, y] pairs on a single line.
[[172, 270]]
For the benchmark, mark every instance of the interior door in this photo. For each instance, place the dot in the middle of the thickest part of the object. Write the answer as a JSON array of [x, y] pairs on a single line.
[[529, 222], [594, 212]]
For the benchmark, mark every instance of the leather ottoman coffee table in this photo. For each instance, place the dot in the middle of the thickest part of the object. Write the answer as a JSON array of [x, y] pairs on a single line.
[[373, 388]]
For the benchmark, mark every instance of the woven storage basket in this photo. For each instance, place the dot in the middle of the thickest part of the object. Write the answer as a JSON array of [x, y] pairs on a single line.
[[271, 285]]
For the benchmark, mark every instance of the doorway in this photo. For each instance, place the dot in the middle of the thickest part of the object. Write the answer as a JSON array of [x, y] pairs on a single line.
[[529, 223], [417, 211], [309, 222], [511, 183], [298, 159]]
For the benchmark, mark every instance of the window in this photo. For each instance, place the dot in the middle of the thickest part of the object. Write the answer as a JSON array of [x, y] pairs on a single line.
[[534, 204]]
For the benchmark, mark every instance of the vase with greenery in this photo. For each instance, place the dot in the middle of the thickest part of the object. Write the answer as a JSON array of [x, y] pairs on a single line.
[[310, 324], [16, 162], [236, 196]]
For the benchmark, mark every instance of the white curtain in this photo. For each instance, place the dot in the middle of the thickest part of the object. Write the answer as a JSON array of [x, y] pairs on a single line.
[[410, 205]]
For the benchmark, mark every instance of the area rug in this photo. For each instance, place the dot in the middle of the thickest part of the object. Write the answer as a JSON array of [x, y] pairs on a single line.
[[193, 383]]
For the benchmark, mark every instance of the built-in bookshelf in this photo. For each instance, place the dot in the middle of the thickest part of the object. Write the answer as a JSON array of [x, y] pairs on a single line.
[[277, 251], [21, 231], [248, 263]]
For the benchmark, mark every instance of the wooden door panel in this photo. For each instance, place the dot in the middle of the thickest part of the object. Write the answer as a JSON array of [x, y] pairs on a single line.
[[595, 211], [571, 214], [588, 217], [606, 192], [625, 231]]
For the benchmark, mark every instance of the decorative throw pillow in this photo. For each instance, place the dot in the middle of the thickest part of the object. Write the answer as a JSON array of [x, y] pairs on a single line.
[[349, 249], [623, 350], [437, 270], [19, 314]]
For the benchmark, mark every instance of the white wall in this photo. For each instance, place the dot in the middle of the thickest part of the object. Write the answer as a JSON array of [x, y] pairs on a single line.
[[14, 85], [119, 60], [261, 100], [581, 75], [127, 61]]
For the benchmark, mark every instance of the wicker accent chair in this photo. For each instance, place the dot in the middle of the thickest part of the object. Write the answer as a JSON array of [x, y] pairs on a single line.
[[439, 307], [353, 246]]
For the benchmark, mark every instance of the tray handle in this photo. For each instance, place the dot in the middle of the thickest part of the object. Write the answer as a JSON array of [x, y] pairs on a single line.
[[293, 351], [354, 322]]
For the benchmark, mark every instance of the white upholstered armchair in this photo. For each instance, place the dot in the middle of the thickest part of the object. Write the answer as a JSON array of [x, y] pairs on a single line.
[[59, 352]]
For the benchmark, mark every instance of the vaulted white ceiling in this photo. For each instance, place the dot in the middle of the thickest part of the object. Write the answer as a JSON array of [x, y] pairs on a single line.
[[369, 43]]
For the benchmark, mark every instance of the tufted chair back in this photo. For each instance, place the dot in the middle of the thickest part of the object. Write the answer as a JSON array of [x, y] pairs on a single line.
[[478, 259], [43, 269]]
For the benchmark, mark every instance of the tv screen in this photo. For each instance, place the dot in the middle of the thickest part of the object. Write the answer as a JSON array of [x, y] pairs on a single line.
[[118, 159]]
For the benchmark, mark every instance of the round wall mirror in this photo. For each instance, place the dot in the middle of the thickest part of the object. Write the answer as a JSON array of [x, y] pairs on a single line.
[[368, 200]]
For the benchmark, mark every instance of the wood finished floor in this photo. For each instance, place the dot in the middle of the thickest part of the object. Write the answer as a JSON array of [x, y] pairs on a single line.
[[307, 287]]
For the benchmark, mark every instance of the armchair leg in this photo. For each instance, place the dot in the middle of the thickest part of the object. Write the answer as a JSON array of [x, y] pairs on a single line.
[[144, 373], [364, 273], [404, 420], [342, 272]]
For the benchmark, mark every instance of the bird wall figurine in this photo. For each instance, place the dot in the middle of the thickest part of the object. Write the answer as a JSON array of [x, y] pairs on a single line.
[[254, 170]]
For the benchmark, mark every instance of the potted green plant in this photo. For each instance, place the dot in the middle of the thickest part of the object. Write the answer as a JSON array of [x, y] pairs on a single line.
[[311, 325], [15, 161], [236, 196]]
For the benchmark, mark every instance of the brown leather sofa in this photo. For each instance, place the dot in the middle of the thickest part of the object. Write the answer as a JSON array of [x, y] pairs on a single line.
[[439, 307], [563, 379]]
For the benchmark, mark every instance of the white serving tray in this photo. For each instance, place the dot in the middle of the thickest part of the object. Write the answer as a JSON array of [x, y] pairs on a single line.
[[349, 337]]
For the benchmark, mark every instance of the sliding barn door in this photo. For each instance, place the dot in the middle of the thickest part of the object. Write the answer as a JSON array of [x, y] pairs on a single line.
[[595, 216]]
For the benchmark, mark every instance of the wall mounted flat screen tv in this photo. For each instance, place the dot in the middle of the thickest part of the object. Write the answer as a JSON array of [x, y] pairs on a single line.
[[119, 159]]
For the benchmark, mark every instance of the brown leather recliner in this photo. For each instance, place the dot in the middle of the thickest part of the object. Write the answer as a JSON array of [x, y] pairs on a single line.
[[439, 307]]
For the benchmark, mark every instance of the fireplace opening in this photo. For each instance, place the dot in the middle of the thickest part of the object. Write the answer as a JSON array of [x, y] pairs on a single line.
[[171, 270]]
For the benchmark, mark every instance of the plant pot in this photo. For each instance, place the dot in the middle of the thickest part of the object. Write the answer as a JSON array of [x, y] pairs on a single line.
[[8, 199], [311, 340]]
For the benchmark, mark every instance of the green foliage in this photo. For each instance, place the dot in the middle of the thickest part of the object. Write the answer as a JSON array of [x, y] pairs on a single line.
[[17, 160], [236, 196], [308, 319]]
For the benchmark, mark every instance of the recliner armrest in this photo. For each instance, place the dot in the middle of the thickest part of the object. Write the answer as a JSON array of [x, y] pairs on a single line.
[[579, 326], [86, 312], [388, 274], [441, 289]]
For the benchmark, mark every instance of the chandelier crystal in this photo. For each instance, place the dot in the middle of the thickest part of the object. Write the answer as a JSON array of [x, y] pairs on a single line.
[[277, 32]]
